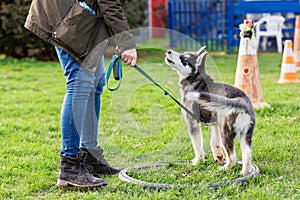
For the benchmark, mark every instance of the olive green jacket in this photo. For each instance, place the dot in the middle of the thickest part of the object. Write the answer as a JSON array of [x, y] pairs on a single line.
[[67, 25]]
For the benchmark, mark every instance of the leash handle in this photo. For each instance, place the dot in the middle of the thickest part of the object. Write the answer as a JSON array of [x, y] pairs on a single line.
[[117, 70], [115, 66]]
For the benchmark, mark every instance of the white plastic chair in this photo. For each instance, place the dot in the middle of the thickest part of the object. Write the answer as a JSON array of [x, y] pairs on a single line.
[[273, 28]]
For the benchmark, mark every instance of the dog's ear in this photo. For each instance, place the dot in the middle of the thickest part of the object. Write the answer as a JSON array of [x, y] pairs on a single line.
[[201, 50], [201, 61]]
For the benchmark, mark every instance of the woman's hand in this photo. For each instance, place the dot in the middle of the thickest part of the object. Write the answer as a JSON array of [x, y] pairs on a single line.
[[129, 57]]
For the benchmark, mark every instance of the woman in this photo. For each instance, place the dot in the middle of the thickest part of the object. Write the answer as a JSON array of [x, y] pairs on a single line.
[[80, 32]]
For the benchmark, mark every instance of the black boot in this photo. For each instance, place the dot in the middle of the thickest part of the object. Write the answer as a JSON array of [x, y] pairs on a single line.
[[73, 172], [96, 159]]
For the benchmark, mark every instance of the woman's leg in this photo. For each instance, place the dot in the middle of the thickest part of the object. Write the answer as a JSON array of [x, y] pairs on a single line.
[[81, 107], [70, 136], [89, 136]]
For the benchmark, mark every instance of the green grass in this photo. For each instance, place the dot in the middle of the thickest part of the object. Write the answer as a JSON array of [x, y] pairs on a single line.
[[185, 174], [139, 125]]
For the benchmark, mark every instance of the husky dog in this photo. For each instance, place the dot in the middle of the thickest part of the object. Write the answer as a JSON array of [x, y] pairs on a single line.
[[225, 108]]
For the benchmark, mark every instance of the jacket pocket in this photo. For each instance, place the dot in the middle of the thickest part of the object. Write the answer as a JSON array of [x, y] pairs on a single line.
[[77, 30]]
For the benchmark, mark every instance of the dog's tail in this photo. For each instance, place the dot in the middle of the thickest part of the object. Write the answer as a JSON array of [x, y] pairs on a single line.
[[217, 103]]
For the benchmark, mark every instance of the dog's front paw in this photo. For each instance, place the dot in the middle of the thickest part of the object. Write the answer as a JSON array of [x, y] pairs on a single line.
[[224, 167], [196, 161], [228, 165], [192, 96]]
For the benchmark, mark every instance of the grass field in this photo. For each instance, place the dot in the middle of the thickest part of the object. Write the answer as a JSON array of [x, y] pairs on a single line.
[[138, 125]]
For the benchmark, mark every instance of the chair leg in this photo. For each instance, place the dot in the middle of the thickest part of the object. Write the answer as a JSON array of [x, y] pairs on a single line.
[[257, 42], [279, 44], [265, 39]]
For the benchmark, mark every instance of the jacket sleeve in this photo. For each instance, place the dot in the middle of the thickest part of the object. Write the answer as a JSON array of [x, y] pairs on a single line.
[[114, 17]]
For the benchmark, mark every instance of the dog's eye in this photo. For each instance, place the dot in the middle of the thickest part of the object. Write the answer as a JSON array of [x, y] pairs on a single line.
[[184, 60]]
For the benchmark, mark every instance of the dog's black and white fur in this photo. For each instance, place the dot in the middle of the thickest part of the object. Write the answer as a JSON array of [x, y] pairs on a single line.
[[225, 108]]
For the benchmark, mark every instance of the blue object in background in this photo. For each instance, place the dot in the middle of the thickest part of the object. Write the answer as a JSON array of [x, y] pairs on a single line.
[[215, 23]]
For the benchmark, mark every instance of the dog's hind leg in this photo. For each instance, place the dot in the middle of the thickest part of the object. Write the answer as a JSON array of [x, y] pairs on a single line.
[[245, 143], [228, 144], [195, 134], [230, 156], [216, 145]]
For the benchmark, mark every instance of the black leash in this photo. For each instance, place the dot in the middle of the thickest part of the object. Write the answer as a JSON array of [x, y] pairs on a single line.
[[117, 67]]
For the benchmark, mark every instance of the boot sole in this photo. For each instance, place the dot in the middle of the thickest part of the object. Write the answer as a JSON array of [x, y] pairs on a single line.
[[63, 183]]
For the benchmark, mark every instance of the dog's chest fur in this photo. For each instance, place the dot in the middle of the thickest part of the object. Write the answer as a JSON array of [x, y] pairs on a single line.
[[197, 83]]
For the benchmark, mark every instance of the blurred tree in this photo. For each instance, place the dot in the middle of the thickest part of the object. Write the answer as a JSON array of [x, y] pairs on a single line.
[[17, 42], [135, 12]]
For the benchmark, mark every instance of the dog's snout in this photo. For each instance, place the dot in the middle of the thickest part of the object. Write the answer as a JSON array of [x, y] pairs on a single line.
[[169, 52]]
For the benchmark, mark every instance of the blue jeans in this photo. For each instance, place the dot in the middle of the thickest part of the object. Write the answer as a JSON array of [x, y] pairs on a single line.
[[81, 106]]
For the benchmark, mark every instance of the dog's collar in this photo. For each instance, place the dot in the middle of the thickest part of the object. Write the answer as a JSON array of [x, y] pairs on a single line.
[[197, 81], [191, 78]]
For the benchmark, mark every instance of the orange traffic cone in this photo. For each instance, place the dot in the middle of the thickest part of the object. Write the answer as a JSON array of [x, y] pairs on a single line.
[[247, 73], [288, 66], [297, 43]]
